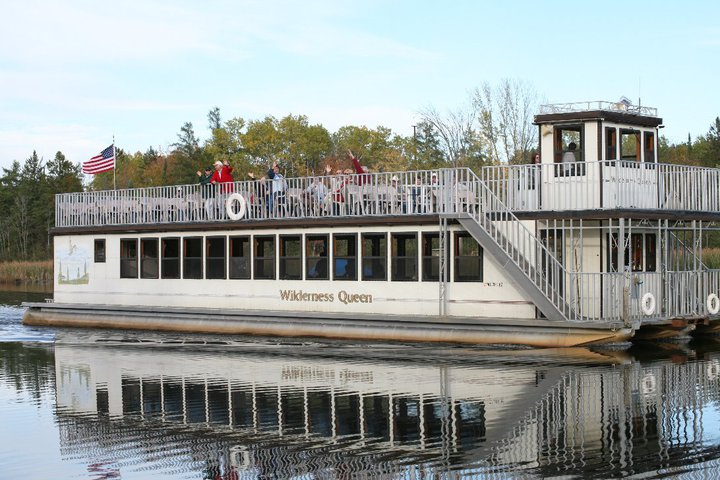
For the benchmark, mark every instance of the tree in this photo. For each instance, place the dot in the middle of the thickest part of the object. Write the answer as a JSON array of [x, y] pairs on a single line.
[[458, 138], [505, 114]]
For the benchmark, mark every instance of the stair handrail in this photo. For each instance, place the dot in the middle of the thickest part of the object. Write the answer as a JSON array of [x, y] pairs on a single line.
[[516, 250]]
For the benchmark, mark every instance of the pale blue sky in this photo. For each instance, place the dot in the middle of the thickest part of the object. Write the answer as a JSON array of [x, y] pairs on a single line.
[[73, 73]]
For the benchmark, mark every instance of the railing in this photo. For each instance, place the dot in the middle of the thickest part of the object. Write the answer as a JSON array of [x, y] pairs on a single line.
[[608, 184], [521, 245], [621, 106], [403, 193]]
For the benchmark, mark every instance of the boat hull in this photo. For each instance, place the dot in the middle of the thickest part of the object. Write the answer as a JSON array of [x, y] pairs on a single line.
[[534, 333]]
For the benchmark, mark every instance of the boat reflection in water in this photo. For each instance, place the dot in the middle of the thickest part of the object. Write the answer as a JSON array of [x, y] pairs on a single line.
[[237, 411]]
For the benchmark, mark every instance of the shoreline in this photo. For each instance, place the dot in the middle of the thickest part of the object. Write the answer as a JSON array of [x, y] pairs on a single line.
[[26, 273]]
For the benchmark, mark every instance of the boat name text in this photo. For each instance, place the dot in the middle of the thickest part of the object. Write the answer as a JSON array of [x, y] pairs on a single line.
[[342, 296]]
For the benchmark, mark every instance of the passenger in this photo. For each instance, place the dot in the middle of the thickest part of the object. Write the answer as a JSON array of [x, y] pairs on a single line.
[[223, 174], [568, 158], [277, 188], [315, 194], [206, 190], [361, 170], [418, 198]]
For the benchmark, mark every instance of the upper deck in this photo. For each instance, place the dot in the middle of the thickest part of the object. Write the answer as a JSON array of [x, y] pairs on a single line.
[[594, 189]]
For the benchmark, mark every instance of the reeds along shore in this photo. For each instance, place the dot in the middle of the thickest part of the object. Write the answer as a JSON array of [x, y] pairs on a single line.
[[35, 272]]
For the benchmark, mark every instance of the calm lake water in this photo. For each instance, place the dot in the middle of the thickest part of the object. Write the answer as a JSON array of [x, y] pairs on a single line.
[[117, 404]]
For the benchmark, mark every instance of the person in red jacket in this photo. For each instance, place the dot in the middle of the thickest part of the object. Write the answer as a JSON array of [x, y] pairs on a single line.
[[223, 174], [361, 170]]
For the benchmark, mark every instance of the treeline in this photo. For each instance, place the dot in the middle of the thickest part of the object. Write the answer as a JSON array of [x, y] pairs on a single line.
[[493, 127], [27, 203]]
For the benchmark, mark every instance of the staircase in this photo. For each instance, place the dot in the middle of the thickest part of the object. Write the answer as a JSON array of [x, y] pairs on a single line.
[[520, 253]]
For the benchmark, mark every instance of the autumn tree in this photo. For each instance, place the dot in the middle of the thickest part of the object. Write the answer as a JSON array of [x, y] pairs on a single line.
[[505, 114]]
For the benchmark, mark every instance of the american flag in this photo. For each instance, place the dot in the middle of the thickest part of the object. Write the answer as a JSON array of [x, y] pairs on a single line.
[[103, 162]]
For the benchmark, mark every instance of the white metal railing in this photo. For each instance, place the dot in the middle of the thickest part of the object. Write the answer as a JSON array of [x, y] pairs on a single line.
[[621, 106], [608, 184], [521, 245], [401, 193]]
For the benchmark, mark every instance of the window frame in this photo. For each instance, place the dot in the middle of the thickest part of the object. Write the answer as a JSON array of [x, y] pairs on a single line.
[[147, 261], [213, 261], [247, 256], [285, 260], [408, 261], [458, 259], [186, 259], [260, 273], [350, 259], [127, 261], [375, 260], [99, 250], [165, 260], [317, 259]]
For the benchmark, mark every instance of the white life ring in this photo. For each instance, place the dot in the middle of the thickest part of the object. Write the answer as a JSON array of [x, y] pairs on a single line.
[[230, 209], [648, 384], [713, 304], [647, 304]]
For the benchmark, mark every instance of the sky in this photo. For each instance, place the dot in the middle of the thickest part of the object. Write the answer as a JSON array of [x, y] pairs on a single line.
[[75, 73]]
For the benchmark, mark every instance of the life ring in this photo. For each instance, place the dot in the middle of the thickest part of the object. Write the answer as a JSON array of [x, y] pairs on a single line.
[[230, 209], [648, 384], [713, 304], [647, 303]]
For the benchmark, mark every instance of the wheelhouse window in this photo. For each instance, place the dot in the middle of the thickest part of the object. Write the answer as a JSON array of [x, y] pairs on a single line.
[[149, 267], [316, 255], [264, 264], [128, 258], [610, 143], [431, 257], [192, 257], [170, 257], [240, 257], [630, 145], [468, 265], [345, 257], [99, 250], [215, 257], [290, 257], [649, 140], [404, 263], [374, 256], [569, 153]]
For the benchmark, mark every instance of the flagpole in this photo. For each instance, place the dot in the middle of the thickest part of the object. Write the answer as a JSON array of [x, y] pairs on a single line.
[[116, 163]]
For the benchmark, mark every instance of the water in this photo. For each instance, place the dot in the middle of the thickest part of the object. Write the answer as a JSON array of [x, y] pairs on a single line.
[[114, 404]]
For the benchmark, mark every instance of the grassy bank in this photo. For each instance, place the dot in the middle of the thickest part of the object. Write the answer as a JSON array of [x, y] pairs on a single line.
[[711, 257], [37, 272]]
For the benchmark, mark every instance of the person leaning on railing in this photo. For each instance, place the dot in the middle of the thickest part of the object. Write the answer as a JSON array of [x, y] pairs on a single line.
[[277, 187]]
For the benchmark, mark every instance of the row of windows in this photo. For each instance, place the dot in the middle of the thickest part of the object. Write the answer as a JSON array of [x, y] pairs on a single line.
[[298, 257]]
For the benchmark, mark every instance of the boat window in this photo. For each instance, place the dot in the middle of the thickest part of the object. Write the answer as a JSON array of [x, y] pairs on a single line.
[[569, 153], [404, 257], [170, 258], [215, 257], [128, 258], [374, 256], [431, 257], [149, 267], [636, 241], [610, 143], [345, 257], [650, 252], [264, 264], [316, 254], [192, 257], [290, 257], [240, 257], [630, 145], [99, 250], [649, 147], [468, 259]]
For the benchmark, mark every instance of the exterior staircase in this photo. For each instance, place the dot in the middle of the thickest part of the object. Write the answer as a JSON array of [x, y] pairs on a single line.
[[520, 253]]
